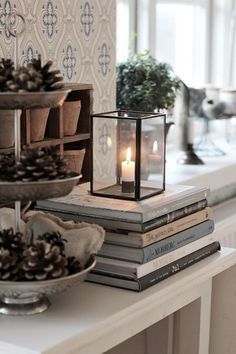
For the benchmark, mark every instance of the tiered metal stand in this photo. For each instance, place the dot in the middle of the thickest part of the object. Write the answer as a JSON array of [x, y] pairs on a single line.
[[30, 297]]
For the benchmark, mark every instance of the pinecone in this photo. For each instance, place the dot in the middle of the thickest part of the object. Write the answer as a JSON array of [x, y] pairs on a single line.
[[35, 164], [12, 242], [8, 266], [40, 164], [55, 239], [73, 265], [44, 261], [7, 166], [34, 77], [51, 79], [6, 69], [25, 79]]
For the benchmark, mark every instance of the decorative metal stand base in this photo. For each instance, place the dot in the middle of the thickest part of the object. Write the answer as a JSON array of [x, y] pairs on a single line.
[[207, 148], [28, 304], [189, 157]]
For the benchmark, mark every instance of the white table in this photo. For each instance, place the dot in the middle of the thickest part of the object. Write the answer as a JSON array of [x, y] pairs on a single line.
[[91, 319]]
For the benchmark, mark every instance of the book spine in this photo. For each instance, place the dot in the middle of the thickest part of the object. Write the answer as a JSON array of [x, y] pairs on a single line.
[[188, 199], [87, 205], [157, 249], [159, 262], [178, 240], [140, 240], [134, 271], [172, 228], [117, 224], [174, 215], [176, 266]]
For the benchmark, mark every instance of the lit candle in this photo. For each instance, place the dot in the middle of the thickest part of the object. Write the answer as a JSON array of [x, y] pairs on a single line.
[[155, 147], [128, 173], [109, 142], [154, 156]]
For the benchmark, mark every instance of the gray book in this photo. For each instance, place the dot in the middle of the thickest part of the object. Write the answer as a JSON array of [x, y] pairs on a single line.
[[82, 202], [157, 249], [140, 240], [110, 224]]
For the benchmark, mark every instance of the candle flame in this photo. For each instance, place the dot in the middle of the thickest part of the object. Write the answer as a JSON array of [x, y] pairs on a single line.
[[155, 147], [128, 158], [109, 142]]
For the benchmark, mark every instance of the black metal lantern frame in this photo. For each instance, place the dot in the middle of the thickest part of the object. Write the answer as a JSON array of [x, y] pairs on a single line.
[[128, 154]]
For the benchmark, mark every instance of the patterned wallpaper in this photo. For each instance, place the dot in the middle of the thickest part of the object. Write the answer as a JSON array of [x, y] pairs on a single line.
[[78, 35]]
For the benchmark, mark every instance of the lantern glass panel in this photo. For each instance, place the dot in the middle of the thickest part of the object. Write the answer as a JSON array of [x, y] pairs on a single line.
[[152, 155], [104, 153], [128, 154]]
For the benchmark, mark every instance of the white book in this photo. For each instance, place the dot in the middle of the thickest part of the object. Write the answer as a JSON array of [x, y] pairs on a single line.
[[80, 201], [135, 270]]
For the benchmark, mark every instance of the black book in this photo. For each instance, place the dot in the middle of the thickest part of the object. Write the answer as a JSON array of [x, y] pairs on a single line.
[[156, 276]]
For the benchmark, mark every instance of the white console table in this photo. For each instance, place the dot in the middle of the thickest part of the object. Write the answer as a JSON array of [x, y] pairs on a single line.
[[192, 312], [92, 319]]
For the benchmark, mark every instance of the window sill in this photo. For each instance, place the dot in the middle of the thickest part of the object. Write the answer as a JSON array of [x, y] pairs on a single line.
[[217, 173]]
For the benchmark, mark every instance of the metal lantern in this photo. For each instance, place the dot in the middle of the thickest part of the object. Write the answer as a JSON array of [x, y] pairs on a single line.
[[128, 154]]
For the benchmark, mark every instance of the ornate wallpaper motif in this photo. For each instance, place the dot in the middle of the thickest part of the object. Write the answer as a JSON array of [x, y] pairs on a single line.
[[78, 35]]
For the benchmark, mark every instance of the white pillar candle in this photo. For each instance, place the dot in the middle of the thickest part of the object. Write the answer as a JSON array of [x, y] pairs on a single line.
[[128, 168], [109, 142], [155, 155], [155, 147]]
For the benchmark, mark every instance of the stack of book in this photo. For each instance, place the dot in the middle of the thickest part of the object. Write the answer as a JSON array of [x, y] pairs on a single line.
[[146, 241]]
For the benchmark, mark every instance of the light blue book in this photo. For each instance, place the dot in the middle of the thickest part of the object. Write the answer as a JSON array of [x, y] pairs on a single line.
[[157, 249]]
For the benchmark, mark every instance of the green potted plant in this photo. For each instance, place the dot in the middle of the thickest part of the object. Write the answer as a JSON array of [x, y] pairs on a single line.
[[144, 84]]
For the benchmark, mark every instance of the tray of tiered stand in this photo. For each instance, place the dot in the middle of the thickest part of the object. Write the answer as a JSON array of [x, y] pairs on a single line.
[[48, 256], [29, 100], [37, 190], [31, 297], [31, 86], [39, 174]]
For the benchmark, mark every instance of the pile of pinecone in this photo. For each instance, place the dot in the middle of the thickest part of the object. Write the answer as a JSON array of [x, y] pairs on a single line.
[[30, 78], [40, 260], [35, 164]]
